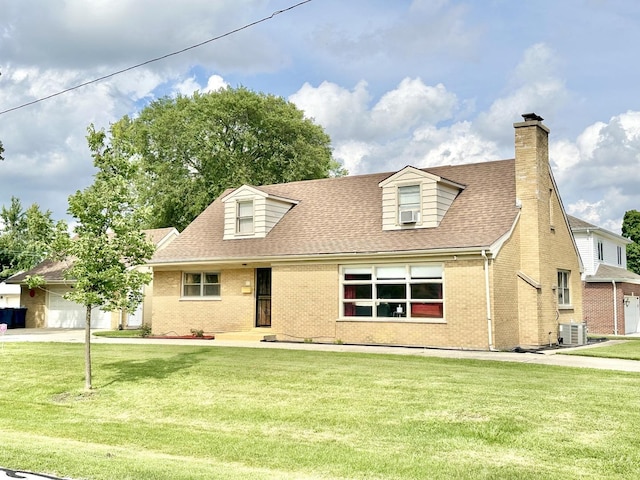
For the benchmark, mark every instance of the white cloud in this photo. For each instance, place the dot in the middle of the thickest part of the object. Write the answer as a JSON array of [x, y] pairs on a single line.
[[340, 111], [535, 87], [600, 171], [387, 127], [215, 83], [412, 103], [453, 145]]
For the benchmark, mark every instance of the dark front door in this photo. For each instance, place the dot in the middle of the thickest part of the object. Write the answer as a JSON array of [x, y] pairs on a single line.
[[263, 297]]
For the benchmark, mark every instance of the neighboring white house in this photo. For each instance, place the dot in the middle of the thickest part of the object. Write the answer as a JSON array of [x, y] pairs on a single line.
[[611, 292], [598, 246], [9, 296]]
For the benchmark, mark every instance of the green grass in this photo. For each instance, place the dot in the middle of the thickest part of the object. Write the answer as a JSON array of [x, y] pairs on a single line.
[[134, 333], [188, 412], [628, 349]]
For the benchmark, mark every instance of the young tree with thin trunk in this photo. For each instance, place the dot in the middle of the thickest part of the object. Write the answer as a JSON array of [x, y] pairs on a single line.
[[108, 243]]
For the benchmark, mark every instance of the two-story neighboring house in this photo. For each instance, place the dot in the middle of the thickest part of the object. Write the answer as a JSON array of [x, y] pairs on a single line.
[[611, 299], [476, 256]]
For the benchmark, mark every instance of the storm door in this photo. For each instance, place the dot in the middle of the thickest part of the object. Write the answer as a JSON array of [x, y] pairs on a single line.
[[263, 297]]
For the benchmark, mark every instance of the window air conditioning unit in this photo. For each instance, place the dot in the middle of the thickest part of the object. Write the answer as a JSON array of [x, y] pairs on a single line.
[[572, 334], [409, 216]]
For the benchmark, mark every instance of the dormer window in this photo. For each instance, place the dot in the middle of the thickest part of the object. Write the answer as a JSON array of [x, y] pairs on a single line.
[[408, 204], [244, 217], [250, 212]]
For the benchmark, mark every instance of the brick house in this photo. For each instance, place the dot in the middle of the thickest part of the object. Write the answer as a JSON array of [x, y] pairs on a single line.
[[611, 296], [476, 256], [47, 307]]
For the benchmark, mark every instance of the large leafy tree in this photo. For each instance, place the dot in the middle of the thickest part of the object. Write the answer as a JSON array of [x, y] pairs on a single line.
[[25, 236], [192, 148], [631, 230], [108, 241]]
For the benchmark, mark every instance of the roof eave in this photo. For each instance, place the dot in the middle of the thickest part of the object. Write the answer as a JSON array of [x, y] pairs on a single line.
[[333, 257]]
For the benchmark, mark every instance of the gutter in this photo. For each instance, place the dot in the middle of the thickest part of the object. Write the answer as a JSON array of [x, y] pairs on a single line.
[[443, 253], [488, 301]]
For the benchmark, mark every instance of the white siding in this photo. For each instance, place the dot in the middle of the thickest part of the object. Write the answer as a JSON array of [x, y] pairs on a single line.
[[274, 212], [587, 244], [586, 248], [436, 199], [267, 212]]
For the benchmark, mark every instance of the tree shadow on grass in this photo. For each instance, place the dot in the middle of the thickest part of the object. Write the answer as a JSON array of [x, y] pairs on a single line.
[[155, 368]]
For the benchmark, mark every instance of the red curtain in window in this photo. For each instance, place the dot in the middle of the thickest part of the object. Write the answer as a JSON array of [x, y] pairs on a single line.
[[349, 308]]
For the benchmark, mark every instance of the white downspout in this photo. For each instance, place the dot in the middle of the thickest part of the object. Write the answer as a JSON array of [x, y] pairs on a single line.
[[615, 308], [488, 300]]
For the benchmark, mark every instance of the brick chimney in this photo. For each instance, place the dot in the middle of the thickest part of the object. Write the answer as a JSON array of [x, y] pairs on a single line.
[[534, 189]]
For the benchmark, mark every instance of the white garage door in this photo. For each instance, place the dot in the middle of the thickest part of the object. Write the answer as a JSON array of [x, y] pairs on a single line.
[[65, 314]]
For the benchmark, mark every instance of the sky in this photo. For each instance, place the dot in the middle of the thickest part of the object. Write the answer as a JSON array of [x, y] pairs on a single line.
[[393, 82]]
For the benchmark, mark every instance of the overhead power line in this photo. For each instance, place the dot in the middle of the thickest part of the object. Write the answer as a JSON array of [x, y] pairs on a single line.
[[157, 59]]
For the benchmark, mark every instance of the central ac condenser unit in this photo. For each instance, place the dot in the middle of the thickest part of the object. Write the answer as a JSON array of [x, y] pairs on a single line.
[[572, 334]]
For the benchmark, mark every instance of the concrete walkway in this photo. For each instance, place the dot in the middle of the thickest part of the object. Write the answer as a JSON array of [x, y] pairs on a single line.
[[546, 357]]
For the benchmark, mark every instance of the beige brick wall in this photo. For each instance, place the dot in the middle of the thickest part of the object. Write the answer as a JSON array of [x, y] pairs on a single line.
[[306, 307], [504, 294], [304, 303], [545, 242], [172, 315], [36, 306]]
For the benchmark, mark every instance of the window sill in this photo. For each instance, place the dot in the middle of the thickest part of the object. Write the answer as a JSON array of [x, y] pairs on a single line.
[[393, 320], [565, 307], [206, 299]]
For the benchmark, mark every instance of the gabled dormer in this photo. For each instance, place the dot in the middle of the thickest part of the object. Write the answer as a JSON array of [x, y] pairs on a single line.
[[412, 198], [251, 213]]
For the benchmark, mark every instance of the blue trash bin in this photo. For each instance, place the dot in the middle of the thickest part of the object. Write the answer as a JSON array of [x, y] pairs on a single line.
[[19, 317], [6, 316]]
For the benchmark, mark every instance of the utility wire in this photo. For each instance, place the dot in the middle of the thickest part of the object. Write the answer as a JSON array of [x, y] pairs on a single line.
[[157, 59]]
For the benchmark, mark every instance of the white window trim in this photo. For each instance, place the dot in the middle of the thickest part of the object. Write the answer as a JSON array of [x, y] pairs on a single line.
[[200, 297], [238, 218], [600, 250], [376, 302], [398, 205], [567, 274]]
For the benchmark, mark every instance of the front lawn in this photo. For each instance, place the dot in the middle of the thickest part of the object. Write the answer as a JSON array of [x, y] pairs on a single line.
[[189, 412], [132, 333], [628, 348]]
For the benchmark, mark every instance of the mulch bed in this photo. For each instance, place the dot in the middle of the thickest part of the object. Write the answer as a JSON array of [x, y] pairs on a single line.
[[181, 337]]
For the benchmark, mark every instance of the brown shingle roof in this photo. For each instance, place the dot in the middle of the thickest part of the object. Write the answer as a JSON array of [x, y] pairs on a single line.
[[344, 215], [607, 273], [579, 224], [51, 271]]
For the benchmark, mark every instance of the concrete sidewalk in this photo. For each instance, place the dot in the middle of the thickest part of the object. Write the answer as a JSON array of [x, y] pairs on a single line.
[[545, 357]]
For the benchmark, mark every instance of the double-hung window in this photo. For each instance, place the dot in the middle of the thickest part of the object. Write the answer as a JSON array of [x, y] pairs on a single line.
[[564, 297], [393, 291], [244, 217], [600, 247], [409, 204], [201, 285]]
